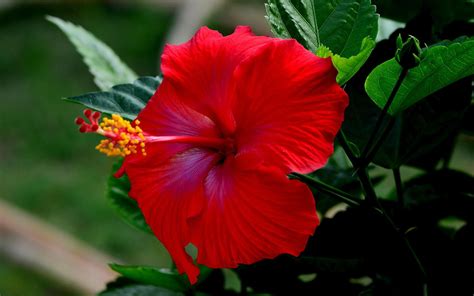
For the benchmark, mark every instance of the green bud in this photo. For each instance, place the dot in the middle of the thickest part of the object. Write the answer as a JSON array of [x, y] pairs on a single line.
[[408, 52]]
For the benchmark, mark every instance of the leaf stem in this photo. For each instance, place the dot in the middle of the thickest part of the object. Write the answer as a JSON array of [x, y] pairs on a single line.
[[323, 187], [372, 152], [341, 137], [399, 185], [369, 146], [370, 195]]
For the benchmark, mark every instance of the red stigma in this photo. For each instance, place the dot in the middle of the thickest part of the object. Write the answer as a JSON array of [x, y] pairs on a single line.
[[93, 124]]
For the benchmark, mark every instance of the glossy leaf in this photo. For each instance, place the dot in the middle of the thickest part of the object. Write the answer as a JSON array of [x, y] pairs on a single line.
[[103, 63], [140, 290], [126, 100], [341, 25], [126, 207], [440, 66]]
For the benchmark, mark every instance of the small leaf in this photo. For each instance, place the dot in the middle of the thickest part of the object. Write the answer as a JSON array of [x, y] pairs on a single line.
[[440, 66], [140, 290], [103, 63], [126, 207], [341, 25], [348, 67], [126, 100]]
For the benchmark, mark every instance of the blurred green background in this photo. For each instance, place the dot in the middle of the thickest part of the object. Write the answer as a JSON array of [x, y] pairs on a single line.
[[46, 166]]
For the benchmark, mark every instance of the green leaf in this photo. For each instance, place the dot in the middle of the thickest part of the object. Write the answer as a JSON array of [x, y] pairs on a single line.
[[348, 67], [126, 207], [103, 63], [440, 66], [161, 277], [126, 100], [140, 290], [341, 25]]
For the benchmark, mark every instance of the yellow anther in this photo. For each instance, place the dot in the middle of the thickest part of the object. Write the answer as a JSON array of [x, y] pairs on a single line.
[[123, 138]]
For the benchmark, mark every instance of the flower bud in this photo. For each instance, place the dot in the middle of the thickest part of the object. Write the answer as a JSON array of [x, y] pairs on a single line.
[[408, 52]]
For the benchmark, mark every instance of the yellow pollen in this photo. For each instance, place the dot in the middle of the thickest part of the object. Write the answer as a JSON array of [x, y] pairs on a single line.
[[122, 138]]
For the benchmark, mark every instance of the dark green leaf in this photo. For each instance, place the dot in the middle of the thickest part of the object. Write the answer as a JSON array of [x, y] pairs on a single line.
[[103, 63], [162, 277], [440, 194], [341, 25], [140, 290], [442, 12], [125, 206], [126, 100], [440, 66]]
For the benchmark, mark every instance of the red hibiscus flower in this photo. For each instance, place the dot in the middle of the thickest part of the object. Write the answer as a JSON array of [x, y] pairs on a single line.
[[233, 116]]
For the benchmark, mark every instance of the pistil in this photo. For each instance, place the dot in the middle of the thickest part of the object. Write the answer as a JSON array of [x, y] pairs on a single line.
[[125, 138]]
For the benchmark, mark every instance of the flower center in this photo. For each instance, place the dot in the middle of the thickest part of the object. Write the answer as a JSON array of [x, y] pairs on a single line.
[[229, 147], [125, 138]]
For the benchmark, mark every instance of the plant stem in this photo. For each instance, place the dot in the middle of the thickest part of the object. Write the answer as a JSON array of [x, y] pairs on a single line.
[[370, 195], [380, 119], [341, 137], [323, 187], [371, 154], [398, 184], [362, 173]]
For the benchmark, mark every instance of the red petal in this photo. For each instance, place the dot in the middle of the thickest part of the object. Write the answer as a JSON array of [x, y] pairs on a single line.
[[288, 106], [252, 214], [169, 191], [200, 70], [166, 115]]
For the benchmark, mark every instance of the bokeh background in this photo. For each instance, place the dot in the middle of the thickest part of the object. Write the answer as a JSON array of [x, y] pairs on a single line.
[[51, 171]]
